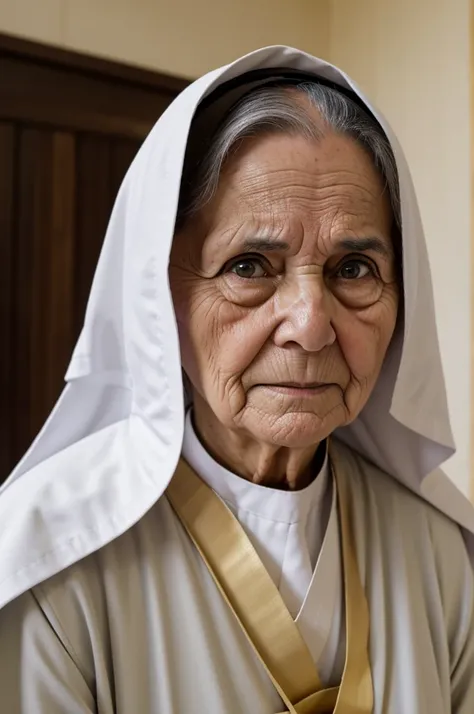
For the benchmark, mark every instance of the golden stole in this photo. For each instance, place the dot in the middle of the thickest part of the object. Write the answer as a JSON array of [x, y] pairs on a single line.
[[260, 611]]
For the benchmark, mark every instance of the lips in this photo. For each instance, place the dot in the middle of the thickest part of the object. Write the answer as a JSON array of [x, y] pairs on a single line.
[[300, 385], [295, 385]]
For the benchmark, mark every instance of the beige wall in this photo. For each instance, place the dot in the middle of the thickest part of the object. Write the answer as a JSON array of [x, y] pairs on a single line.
[[184, 37], [412, 58]]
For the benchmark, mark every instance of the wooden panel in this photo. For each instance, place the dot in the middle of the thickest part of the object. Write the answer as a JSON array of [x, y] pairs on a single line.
[[66, 189], [101, 167], [43, 272], [68, 90], [70, 126], [7, 182], [32, 150], [41, 94], [94, 200], [122, 154], [37, 53], [61, 334]]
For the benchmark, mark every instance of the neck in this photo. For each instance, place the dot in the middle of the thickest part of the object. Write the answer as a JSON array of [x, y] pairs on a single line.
[[265, 464]]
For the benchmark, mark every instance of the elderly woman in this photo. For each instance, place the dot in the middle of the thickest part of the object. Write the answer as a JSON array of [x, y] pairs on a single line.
[[274, 536]]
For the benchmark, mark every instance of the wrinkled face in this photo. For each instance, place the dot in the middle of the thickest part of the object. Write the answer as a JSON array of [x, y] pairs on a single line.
[[285, 289]]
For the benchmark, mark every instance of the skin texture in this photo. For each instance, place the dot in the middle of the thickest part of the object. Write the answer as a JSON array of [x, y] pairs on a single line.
[[286, 298]]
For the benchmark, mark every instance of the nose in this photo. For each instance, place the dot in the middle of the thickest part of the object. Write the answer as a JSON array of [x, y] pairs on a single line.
[[304, 312]]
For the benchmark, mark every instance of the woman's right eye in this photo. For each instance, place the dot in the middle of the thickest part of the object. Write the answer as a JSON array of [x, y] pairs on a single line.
[[248, 268]]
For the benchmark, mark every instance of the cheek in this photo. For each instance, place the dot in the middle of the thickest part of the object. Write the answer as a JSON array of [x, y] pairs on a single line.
[[364, 338], [189, 357], [218, 340], [242, 340], [187, 298]]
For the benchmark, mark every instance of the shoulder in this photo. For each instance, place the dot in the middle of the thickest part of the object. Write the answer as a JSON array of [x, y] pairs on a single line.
[[411, 542], [91, 583], [81, 603], [72, 505], [404, 522], [380, 490]]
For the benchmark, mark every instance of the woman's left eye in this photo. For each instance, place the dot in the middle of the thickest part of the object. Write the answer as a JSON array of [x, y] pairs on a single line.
[[354, 270], [248, 268]]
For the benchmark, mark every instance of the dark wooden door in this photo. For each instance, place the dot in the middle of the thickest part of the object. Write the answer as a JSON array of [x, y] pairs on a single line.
[[69, 129]]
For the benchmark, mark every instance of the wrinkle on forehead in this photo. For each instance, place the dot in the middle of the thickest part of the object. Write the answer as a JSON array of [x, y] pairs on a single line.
[[303, 196], [281, 173], [275, 214], [316, 195]]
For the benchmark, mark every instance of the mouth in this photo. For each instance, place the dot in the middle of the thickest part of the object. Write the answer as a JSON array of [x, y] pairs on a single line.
[[297, 389], [301, 385]]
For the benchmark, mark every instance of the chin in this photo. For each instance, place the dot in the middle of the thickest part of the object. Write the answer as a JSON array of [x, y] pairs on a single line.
[[292, 431]]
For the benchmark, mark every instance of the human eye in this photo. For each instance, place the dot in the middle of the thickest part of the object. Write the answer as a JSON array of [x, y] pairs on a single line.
[[356, 281], [355, 269], [249, 267]]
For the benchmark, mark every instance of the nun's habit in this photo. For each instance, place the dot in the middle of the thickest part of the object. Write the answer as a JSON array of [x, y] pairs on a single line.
[[106, 604]]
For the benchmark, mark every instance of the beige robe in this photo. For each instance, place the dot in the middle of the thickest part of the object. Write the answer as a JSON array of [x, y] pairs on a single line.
[[139, 627]]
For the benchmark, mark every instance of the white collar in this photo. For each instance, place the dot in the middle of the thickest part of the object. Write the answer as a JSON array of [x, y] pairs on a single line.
[[269, 503]]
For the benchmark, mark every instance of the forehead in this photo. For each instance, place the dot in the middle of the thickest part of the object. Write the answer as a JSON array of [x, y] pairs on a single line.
[[281, 174]]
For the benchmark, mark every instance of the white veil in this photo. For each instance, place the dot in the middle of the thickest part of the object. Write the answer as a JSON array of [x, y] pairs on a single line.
[[110, 446]]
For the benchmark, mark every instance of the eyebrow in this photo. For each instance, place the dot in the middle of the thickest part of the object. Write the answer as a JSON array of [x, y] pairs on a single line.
[[361, 245], [265, 245]]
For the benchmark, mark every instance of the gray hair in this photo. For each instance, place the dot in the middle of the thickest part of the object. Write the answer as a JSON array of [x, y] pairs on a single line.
[[274, 109]]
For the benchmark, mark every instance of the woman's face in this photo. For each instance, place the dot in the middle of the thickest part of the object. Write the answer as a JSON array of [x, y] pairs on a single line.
[[285, 289]]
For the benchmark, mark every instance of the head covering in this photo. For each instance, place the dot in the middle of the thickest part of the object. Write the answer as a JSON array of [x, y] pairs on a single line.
[[111, 444]]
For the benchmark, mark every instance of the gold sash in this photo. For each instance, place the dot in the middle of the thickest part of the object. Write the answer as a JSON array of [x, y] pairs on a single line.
[[257, 604]]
